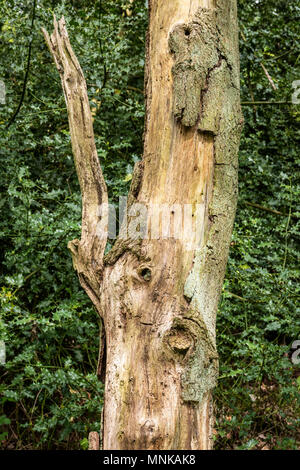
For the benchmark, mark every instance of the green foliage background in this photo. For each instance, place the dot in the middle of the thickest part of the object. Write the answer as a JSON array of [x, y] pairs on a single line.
[[50, 397]]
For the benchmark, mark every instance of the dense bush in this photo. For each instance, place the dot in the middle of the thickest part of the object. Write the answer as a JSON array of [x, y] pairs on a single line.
[[50, 397]]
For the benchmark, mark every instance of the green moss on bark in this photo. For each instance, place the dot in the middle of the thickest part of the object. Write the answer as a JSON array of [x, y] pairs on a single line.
[[206, 95]]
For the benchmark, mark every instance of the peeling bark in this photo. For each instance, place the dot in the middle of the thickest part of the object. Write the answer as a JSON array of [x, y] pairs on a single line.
[[157, 297]]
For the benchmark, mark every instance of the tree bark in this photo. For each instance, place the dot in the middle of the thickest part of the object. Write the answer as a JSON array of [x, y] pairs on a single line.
[[158, 294]]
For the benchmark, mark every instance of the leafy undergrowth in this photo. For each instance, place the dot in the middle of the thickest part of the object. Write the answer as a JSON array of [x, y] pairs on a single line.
[[50, 397], [257, 416]]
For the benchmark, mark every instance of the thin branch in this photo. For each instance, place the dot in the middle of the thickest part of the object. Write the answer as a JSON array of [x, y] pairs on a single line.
[[251, 90], [268, 76], [254, 103], [261, 64], [12, 119], [267, 209], [236, 296], [133, 88], [279, 56], [101, 49]]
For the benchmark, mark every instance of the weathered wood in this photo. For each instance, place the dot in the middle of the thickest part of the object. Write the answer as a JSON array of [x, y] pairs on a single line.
[[158, 296], [88, 252]]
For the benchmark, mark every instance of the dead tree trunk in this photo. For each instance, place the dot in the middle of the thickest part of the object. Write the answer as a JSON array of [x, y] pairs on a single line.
[[158, 293]]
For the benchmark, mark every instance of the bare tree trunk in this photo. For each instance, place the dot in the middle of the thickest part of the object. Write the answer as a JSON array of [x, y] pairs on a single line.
[[158, 295]]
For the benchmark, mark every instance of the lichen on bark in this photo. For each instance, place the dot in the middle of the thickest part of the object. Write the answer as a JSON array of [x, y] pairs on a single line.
[[194, 348], [202, 73], [206, 96]]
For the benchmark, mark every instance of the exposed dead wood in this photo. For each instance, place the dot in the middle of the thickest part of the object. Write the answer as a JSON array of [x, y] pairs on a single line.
[[88, 252]]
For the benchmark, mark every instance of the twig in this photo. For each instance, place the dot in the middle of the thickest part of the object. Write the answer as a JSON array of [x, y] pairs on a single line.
[[261, 64], [133, 88], [101, 50], [267, 209], [236, 296], [268, 76], [254, 103], [27, 69]]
